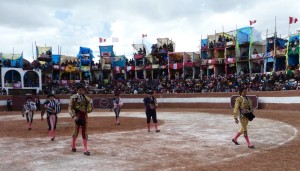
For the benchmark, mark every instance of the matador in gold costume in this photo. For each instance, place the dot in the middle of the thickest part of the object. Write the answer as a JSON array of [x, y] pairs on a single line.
[[242, 105], [79, 107]]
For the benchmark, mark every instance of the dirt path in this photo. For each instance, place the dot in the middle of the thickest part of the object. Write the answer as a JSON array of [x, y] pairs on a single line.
[[177, 147]]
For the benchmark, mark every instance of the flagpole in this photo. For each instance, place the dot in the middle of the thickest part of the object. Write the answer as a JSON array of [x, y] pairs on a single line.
[[275, 59], [250, 50], [275, 26], [289, 26], [266, 51], [13, 53], [32, 51], [223, 29], [36, 50], [287, 53]]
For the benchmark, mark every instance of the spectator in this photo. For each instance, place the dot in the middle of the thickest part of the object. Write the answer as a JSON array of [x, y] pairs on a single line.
[[9, 104]]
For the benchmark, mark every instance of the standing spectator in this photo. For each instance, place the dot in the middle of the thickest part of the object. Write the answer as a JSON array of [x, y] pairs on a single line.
[[151, 105], [242, 105], [3, 91], [79, 107], [9, 104], [118, 103]]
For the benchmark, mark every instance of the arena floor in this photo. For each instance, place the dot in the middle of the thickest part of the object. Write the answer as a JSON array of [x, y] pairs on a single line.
[[190, 139]]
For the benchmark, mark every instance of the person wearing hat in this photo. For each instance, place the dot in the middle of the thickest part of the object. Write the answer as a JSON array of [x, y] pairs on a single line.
[[9, 104], [118, 103], [242, 106], [151, 105], [52, 108], [79, 107], [28, 109]]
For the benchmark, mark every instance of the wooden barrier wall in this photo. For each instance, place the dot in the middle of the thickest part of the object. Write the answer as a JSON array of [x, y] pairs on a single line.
[[283, 100]]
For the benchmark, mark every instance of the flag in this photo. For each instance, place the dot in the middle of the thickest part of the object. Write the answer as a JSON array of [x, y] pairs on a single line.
[[252, 22], [102, 40], [293, 20], [115, 39], [144, 35], [175, 66]]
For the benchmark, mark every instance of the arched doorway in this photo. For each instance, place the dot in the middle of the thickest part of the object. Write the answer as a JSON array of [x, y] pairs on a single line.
[[12, 77], [31, 79]]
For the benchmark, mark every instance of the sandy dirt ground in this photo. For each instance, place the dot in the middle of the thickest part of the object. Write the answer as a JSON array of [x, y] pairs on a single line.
[[190, 139]]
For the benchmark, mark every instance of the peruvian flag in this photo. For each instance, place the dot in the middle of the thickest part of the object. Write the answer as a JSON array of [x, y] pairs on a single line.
[[176, 66], [293, 20], [144, 35], [252, 22], [102, 40]]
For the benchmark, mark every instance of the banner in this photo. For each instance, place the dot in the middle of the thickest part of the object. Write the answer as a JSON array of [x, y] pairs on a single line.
[[55, 59], [105, 60], [137, 56], [44, 52], [70, 68], [257, 56], [137, 68], [118, 61], [155, 66], [105, 54], [148, 67], [188, 64], [130, 68], [117, 69], [176, 66], [12, 60], [106, 50], [86, 56], [85, 68], [102, 102], [17, 85], [106, 67], [55, 66]]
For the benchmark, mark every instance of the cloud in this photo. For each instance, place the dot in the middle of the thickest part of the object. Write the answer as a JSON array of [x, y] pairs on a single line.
[[71, 24]]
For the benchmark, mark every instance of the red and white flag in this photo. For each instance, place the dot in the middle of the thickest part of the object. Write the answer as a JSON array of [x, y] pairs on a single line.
[[175, 66], [252, 22], [293, 20], [102, 40], [144, 35], [115, 39]]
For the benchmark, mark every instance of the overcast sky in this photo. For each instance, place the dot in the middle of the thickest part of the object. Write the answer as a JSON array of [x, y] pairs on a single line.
[[74, 23]]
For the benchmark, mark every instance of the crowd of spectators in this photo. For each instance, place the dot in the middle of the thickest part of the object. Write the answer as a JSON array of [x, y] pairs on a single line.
[[231, 83]]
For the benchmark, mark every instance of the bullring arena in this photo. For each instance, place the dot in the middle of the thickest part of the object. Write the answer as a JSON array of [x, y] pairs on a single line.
[[196, 133]]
